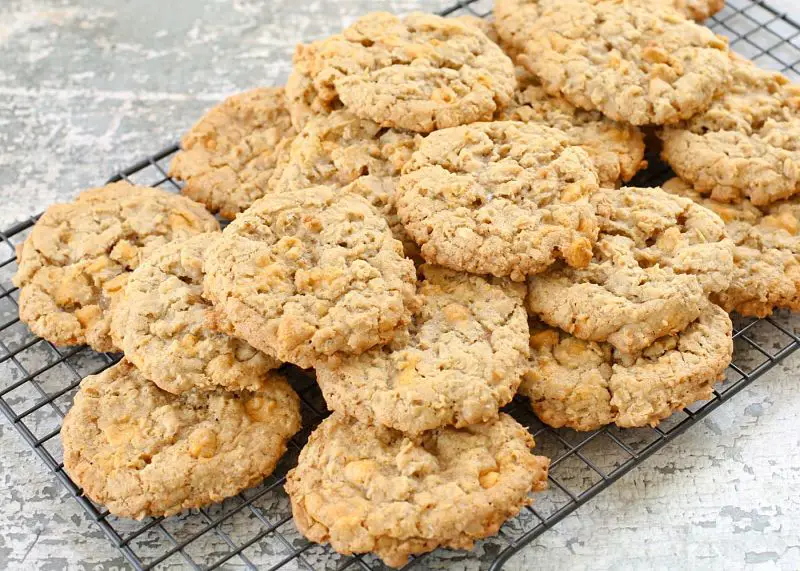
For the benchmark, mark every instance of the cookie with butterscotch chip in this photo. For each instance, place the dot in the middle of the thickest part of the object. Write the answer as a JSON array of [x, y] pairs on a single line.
[[584, 385], [168, 329], [365, 488], [504, 198], [79, 255], [657, 260], [141, 451], [462, 359], [307, 274]]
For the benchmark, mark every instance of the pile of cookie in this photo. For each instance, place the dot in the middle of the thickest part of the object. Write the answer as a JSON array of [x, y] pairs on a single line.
[[432, 216]]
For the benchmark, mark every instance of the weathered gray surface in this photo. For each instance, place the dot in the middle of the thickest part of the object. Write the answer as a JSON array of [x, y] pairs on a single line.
[[87, 86]]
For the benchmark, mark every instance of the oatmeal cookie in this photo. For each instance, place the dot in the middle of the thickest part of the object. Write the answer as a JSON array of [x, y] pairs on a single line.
[[421, 73], [502, 198], [463, 359], [616, 149], [80, 254], [635, 61], [141, 451], [228, 157], [167, 329], [584, 385], [306, 274], [365, 488], [745, 144], [766, 256], [341, 149], [658, 258]]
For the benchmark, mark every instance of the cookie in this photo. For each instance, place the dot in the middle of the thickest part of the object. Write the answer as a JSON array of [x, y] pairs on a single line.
[[421, 73], [766, 256], [365, 488], [79, 255], [502, 198], [616, 149], [167, 329], [634, 61], [341, 149], [658, 258], [141, 451], [462, 360], [306, 274], [228, 157], [584, 385], [697, 10], [743, 146]]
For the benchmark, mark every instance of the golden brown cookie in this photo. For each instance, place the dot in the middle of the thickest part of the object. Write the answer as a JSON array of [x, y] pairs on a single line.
[[79, 255], [658, 258], [616, 149], [635, 61], [141, 451], [228, 157], [462, 360], [766, 256], [421, 73], [745, 144], [307, 274], [365, 488], [341, 149], [584, 385], [168, 330], [502, 198]]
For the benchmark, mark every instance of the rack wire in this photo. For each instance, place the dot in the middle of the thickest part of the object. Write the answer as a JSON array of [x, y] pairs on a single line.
[[254, 530]]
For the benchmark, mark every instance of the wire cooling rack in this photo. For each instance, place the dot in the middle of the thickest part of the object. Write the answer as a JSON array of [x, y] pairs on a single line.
[[254, 530]]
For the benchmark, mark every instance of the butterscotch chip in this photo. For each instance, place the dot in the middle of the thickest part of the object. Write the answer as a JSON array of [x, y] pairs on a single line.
[[766, 257], [141, 451], [229, 155], [307, 274], [697, 10], [635, 61], [79, 255], [584, 385], [366, 488], [462, 360], [657, 259], [421, 72], [616, 149], [744, 145], [167, 329], [503, 198], [341, 149]]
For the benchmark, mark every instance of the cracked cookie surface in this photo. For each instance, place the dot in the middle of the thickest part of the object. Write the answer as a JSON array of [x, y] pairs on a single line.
[[79, 255], [745, 144], [462, 360], [341, 149], [365, 488], [167, 329], [503, 198], [634, 61], [141, 451], [228, 157], [584, 385], [658, 258], [306, 274], [766, 257], [616, 149], [421, 73]]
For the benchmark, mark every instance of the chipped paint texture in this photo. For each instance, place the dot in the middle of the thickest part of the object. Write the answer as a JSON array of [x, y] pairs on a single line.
[[86, 86]]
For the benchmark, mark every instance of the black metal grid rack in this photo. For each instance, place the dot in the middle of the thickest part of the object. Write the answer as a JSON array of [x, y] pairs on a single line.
[[254, 530]]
